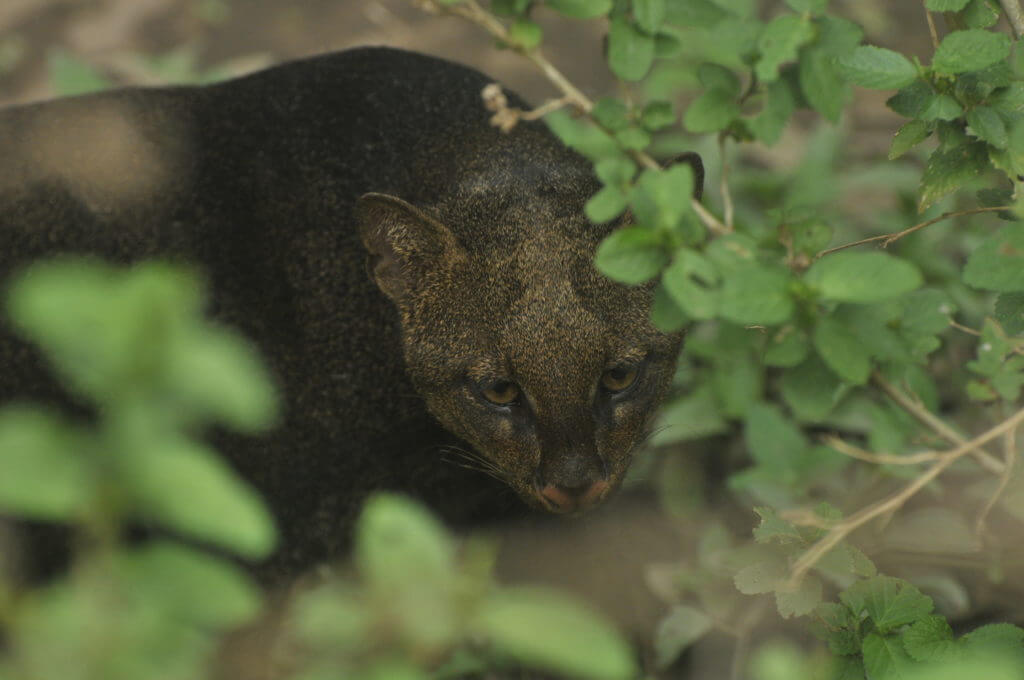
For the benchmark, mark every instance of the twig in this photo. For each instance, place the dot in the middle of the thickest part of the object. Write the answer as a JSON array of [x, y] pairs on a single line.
[[473, 12], [890, 238], [931, 28], [1015, 16], [841, 530], [546, 108], [1009, 456], [917, 409], [1017, 348], [727, 206], [882, 458]]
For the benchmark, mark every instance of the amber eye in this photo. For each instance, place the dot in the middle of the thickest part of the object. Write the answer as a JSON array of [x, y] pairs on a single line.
[[619, 378], [501, 393]]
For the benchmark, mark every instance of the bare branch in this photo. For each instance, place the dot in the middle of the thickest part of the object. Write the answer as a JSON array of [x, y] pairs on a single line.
[[1015, 16], [931, 28], [881, 458], [1009, 456]]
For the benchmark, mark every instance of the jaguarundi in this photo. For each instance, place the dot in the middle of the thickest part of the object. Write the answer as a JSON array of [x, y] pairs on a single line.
[[419, 282]]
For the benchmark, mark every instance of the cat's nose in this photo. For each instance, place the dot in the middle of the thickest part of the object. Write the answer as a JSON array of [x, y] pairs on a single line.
[[564, 499]]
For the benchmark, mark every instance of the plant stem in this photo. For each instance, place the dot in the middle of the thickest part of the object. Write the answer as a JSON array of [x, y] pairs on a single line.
[[931, 28], [841, 530], [1009, 457], [1014, 14]]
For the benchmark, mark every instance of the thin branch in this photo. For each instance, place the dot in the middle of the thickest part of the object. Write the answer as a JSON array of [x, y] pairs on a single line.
[[473, 12], [1015, 16], [1017, 348], [841, 530], [1009, 456], [881, 458], [889, 239], [931, 28], [917, 409], [546, 108]]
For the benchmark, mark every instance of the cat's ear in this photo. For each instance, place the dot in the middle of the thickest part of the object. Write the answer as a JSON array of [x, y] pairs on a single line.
[[692, 158], [404, 244]]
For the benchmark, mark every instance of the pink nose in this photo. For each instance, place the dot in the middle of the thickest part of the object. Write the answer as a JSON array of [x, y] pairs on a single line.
[[565, 499]]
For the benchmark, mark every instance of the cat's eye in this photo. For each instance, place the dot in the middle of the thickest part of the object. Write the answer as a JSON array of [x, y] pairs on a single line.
[[620, 378], [501, 393]]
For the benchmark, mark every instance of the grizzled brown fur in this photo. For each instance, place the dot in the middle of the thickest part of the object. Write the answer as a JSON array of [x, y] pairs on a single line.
[[287, 187]]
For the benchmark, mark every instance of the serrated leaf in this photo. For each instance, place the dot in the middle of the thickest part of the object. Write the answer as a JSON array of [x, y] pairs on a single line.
[[545, 630], [1010, 312], [779, 42], [798, 601], [877, 68], [712, 111], [970, 50], [945, 5], [947, 171], [761, 577], [889, 602], [633, 138], [657, 115], [631, 255], [884, 657], [758, 294], [929, 639], [989, 126], [907, 137], [941, 107], [580, 9], [678, 630], [649, 14], [862, 277], [612, 113], [821, 83], [630, 52], [842, 351], [912, 100], [981, 14], [778, 106], [774, 528], [998, 263]]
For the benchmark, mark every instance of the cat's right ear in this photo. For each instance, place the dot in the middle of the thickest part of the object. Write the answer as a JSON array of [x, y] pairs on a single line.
[[404, 244]]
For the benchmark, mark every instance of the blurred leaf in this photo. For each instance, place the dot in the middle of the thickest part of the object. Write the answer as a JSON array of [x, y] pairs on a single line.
[[631, 255], [606, 205], [878, 68], [694, 416], [545, 630], [678, 630], [649, 14], [758, 294], [580, 9], [630, 52], [842, 351], [1010, 312], [889, 602], [862, 277], [70, 76], [779, 43], [525, 34], [761, 577], [884, 656], [661, 198], [798, 601], [945, 5], [771, 438], [907, 137], [998, 263], [930, 639]]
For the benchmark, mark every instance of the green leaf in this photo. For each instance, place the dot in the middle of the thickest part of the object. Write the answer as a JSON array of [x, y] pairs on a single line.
[[631, 255], [738, 383], [948, 170], [694, 416], [998, 263], [884, 658], [717, 77], [678, 630], [47, 469], [822, 84], [941, 107], [612, 113], [812, 6], [970, 50], [606, 205], [617, 171], [981, 13], [907, 137], [630, 52], [525, 34], [778, 106], [771, 438], [219, 507], [995, 638], [842, 351], [862, 277], [712, 111], [198, 588], [649, 14], [779, 43], [633, 138], [544, 630], [666, 315], [773, 528], [1010, 312], [945, 5], [690, 280], [502, 7], [929, 639], [761, 577], [758, 294], [399, 544], [912, 100], [811, 390], [889, 602], [657, 115], [70, 76], [787, 347], [661, 198], [798, 601], [580, 9], [989, 126], [877, 68]]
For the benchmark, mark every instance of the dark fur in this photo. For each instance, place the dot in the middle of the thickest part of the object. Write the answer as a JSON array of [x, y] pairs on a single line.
[[257, 180]]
